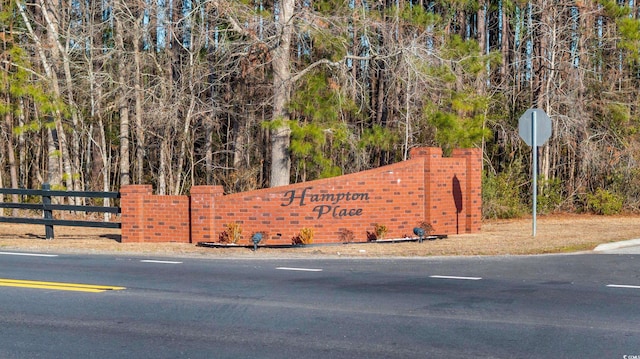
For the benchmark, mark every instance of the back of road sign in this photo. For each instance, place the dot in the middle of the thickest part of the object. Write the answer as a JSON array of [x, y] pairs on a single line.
[[543, 126], [535, 129]]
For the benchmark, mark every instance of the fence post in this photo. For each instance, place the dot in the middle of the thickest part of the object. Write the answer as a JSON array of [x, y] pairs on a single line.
[[48, 213]]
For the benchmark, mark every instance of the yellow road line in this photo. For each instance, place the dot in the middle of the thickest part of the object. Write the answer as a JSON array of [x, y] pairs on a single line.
[[77, 287]]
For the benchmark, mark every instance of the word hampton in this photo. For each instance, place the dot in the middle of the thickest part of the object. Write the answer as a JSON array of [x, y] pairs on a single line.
[[326, 203]]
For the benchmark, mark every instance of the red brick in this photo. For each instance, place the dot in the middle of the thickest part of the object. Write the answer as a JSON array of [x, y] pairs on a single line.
[[399, 196]]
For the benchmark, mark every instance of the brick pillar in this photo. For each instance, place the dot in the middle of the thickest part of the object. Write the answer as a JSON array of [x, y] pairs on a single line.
[[132, 206], [203, 212], [473, 193], [429, 152], [431, 157]]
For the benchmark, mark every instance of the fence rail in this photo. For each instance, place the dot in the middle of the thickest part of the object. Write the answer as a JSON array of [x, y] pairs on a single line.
[[47, 208]]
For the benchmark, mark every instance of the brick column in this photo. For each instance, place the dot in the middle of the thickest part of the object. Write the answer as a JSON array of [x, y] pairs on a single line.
[[429, 152], [203, 212], [132, 206], [432, 157], [473, 193]]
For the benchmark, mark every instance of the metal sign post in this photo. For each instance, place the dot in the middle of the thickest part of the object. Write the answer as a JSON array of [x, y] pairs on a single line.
[[534, 170], [535, 129]]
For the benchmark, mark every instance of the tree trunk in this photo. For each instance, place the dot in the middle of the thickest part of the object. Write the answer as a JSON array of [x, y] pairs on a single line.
[[139, 98], [185, 137], [162, 168], [407, 109], [123, 106], [53, 159], [57, 135], [70, 155], [208, 149], [23, 164], [75, 121], [504, 44], [481, 81], [11, 156], [281, 134], [106, 164]]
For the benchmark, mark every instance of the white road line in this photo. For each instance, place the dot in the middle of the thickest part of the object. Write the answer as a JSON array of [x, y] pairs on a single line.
[[300, 269], [623, 286], [161, 262], [28, 254], [454, 277]]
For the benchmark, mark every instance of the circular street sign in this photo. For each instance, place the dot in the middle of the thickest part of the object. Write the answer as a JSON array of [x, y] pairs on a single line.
[[542, 129]]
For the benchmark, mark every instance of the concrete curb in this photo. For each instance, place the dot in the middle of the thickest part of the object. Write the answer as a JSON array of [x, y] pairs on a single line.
[[617, 245]]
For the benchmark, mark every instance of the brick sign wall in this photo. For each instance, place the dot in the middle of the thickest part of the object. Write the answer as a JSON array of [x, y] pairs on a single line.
[[444, 192], [150, 218]]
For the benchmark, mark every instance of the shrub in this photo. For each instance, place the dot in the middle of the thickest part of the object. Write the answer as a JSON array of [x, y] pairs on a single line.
[[604, 202], [232, 234], [501, 194], [380, 230], [304, 237], [346, 235], [427, 227], [626, 183], [550, 195]]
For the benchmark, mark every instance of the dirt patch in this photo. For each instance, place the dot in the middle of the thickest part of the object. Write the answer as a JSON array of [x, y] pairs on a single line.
[[555, 234]]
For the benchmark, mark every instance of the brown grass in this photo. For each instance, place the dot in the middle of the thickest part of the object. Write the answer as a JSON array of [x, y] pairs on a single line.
[[555, 234]]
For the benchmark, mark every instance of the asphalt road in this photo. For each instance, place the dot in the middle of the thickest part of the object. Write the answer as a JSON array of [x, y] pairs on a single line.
[[557, 306]]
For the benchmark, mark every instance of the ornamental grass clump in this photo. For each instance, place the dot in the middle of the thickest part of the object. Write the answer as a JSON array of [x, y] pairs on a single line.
[[427, 227], [346, 235], [232, 234], [380, 230], [304, 237]]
